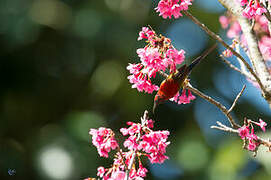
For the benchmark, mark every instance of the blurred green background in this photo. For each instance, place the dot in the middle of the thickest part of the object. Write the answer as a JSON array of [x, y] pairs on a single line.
[[63, 71]]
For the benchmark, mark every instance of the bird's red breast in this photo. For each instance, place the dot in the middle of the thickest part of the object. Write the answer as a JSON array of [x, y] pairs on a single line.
[[168, 88]]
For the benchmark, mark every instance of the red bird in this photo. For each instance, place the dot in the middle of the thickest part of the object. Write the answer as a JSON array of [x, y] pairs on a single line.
[[175, 81]]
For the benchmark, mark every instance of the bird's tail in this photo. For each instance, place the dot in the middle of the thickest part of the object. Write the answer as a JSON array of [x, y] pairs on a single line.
[[201, 57]]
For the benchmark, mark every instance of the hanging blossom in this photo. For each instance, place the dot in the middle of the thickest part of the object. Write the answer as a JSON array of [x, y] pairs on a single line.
[[184, 98], [104, 140], [157, 55], [169, 8], [252, 8], [246, 132], [141, 141]]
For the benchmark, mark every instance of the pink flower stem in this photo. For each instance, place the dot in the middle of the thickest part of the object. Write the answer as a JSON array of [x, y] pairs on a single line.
[[219, 39]]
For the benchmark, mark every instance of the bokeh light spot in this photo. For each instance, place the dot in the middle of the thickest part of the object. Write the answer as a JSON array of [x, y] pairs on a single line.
[[263, 156], [87, 23], [56, 163], [129, 9], [79, 123], [107, 78], [228, 161], [51, 13], [190, 159]]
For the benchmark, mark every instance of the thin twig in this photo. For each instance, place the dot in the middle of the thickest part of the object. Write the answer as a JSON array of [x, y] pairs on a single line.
[[242, 66], [225, 128], [237, 69], [218, 38], [236, 99], [216, 103]]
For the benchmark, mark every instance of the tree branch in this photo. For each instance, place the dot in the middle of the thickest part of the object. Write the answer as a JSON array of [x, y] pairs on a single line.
[[216, 103], [218, 38], [264, 77], [225, 128], [237, 69], [236, 99]]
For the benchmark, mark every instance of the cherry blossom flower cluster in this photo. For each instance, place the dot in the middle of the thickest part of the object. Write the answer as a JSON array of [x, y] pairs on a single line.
[[260, 28], [234, 32], [246, 132], [252, 8], [141, 142], [169, 8], [185, 98], [158, 55], [104, 140]]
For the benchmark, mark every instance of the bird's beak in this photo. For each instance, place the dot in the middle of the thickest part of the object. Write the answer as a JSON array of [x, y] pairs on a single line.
[[155, 103]]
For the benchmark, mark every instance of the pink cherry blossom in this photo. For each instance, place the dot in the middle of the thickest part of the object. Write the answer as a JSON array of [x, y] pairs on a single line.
[[169, 8], [141, 82], [265, 47], [252, 9], [131, 143], [252, 136], [234, 30], [134, 68], [261, 123], [141, 171], [243, 2], [141, 141], [155, 144], [263, 22], [151, 57], [146, 33], [158, 55], [133, 129], [104, 140], [224, 21], [249, 136], [183, 98], [174, 57], [101, 170], [117, 175], [251, 145], [243, 132], [150, 123]]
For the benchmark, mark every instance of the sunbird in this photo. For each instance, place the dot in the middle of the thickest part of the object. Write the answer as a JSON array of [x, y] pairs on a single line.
[[176, 80]]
